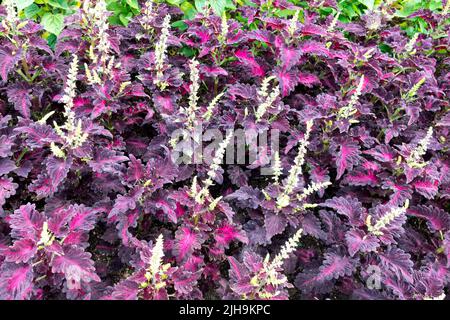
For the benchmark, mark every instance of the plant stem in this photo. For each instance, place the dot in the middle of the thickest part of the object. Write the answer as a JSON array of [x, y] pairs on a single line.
[[22, 153]]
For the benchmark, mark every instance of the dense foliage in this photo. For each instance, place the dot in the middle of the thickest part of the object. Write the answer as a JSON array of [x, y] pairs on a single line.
[[94, 206], [50, 13]]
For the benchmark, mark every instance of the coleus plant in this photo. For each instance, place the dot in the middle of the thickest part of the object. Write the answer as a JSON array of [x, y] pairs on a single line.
[[94, 206]]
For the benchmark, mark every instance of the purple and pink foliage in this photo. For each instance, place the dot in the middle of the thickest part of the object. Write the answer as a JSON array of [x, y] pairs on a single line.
[[106, 202]]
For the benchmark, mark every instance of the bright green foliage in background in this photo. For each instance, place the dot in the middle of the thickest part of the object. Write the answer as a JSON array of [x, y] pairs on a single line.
[[352, 10], [417, 24], [123, 11], [51, 13], [192, 7]]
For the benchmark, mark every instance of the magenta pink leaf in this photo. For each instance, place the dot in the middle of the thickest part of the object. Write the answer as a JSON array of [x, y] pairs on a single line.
[[136, 90], [445, 120], [16, 281], [226, 209], [57, 169], [381, 153], [165, 104], [227, 233], [8, 60], [6, 144], [20, 96], [98, 109], [7, 189], [311, 225], [313, 29], [335, 266], [21, 251], [288, 81], [437, 218], [83, 218], [260, 35], [185, 282], [38, 135], [187, 241], [446, 245], [367, 178], [358, 241], [26, 222], [125, 203], [6, 166], [314, 48], [246, 58], [58, 219], [127, 221], [135, 170], [399, 262], [274, 224], [76, 266], [349, 207], [213, 71], [400, 193], [237, 270], [168, 208], [347, 156], [426, 188], [125, 290], [107, 161], [308, 79], [289, 57], [42, 186]]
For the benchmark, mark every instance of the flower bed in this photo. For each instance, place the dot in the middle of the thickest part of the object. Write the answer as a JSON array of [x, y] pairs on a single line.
[[246, 156]]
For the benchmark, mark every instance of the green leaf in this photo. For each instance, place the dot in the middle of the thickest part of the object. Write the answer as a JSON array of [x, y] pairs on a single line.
[[133, 4], [180, 25], [285, 13], [200, 5], [31, 11], [114, 20], [175, 2], [347, 10], [53, 23], [434, 5], [61, 4], [218, 6], [230, 5], [51, 40], [22, 4], [125, 18], [188, 10], [368, 3], [114, 6], [356, 9], [385, 48], [422, 25], [326, 11], [409, 7], [188, 52]]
